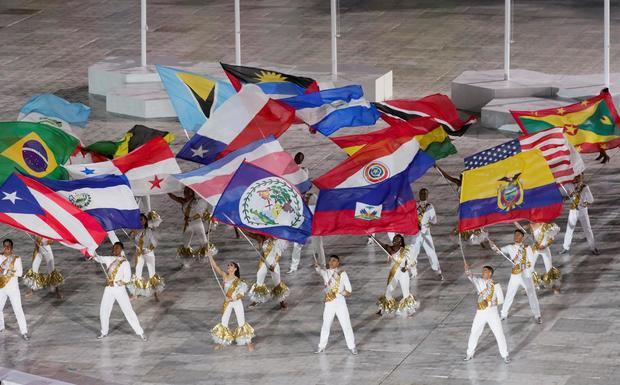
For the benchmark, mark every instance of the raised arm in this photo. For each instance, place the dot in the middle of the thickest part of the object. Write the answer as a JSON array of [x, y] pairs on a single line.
[[176, 198], [457, 181], [215, 266]]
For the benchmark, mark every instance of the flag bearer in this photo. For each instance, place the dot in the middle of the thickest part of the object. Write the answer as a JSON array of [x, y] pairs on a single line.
[[35, 280], [10, 270], [544, 235], [146, 242], [195, 211], [271, 252], [426, 218], [580, 197]]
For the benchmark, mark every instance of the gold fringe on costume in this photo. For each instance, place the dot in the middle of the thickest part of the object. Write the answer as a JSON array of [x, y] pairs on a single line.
[[157, 284], [244, 334], [202, 252], [35, 281], [387, 305], [536, 278], [222, 335], [260, 293], [407, 305], [185, 252], [552, 275], [55, 278], [280, 292]]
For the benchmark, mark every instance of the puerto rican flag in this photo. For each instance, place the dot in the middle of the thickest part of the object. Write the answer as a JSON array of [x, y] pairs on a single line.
[[243, 119], [148, 168], [28, 205], [210, 181]]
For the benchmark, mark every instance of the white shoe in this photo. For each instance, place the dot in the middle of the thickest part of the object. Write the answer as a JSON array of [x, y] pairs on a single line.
[[25, 336], [370, 241], [319, 350], [503, 318], [101, 336], [354, 351], [468, 357], [143, 337], [291, 271], [539, 320], [506, 360]]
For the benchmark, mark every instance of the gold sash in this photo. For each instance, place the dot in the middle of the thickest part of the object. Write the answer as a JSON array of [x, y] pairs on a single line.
[[112, 275], [523, 262], [421, 211], [396, 264], [538, 242], [488, 300], [266, 252], [5, 278], [230, 292], [333, 289], [576, 197], [186, 215]]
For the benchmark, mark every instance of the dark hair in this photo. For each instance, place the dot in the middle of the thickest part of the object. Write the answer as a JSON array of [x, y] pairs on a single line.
[[299, 155], [520, 231], [402, 239], [337, 258], [237, 272], [423, 189], [9, 241], [146, 220], [489, 268], [120, 244]]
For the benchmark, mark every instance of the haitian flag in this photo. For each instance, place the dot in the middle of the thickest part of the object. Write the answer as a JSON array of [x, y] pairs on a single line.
[[275, 84], [264, 203], [518, 187], [590, 125], [371, 190], [245, 118]]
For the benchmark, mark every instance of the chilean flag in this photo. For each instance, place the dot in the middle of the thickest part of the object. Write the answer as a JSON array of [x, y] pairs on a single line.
[[30, 206], [244, 118], [371, 190], [148, 168]]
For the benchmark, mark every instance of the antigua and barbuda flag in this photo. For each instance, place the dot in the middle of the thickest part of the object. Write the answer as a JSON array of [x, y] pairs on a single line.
[[28, 205], [35, 149], [194, 97], [148, 168], [55, 111], [261, 202], [329, 110], [245, 118], [275, 84], [107, 198]]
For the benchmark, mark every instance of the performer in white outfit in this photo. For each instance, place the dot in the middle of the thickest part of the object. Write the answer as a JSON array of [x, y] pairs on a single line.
[[146, 242], [544, 235], [523, 263], [337, 287], [490, 296], [316, 242], [234, 289], [580, 197], [10, 270], [118, 275], [426, 218], [195, 211], [35, 280], [403, 262], [271, 250]]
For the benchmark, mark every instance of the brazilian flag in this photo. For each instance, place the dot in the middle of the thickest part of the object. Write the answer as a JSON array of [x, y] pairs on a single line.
[[35, 149], [132, 139]]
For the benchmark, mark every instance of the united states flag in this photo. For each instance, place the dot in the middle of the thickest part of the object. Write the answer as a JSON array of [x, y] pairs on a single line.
[[564, 162]]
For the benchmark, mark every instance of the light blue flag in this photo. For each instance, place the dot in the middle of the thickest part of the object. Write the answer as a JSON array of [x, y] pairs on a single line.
[[194, 97], [54, 110]]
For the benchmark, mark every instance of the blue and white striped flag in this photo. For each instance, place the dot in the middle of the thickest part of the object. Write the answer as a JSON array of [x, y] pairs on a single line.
[[55, 111]]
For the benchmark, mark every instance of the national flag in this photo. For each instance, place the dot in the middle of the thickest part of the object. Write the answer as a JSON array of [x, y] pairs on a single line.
[[194, 97], [275, 84], [35, 149], [262, 202], [246, 117], [371, 190], [148, 168], [330, 110], [55, 111], [518, 187], [438, 107], [82, 156], [134, 138], [107, 198], [210, 181], [590, 125], [32, 207]]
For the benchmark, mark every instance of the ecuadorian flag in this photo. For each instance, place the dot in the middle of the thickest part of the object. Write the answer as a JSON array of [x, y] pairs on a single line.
[[519, 187]]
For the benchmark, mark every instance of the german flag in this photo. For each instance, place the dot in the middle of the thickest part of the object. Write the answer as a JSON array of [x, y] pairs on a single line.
[[275, 84], [590, 125]]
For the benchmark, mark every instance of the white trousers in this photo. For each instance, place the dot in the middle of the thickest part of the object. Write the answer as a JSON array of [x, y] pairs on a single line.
[[149, 259], [401, 279], [546, 256], [516, 281], [195, 230], [316, 243], [237, 306], [11, 291], [584, 219], [337, 308], [44, 252], [425, 239], [118, 294], [261, 274], [483, 317]]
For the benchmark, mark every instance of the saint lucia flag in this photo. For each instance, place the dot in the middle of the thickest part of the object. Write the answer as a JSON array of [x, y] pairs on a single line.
[[56, 111], [330, 110], [194, 97]]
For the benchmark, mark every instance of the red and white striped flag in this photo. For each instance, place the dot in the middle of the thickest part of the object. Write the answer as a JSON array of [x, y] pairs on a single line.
[[565, 163], [30, 206]]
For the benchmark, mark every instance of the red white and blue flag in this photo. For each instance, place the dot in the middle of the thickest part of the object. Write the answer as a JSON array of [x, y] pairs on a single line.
[[245, 118], [28, 205], [371, 190]]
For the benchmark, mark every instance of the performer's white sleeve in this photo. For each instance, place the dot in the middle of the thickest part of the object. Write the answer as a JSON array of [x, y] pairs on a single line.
[[587, 195], [432, 216], [19, 271], [344, 278], [499, 293]]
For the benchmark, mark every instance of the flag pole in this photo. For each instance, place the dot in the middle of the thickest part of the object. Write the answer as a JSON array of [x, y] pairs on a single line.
[[507, 38], [148, 202], [499, 251], [101, 264], [380, 245], [244, 236], [606, 41], [237, 33], [334, 27], [211, 259], [143, 29]]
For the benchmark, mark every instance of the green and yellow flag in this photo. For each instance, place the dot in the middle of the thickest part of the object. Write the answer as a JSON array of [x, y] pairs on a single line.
[[590, 125], [35, 149], [134, 138]]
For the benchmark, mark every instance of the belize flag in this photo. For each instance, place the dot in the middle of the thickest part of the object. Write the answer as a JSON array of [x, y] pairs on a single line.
[[261, 202], [107, 198], [246, 117], [371, 190]]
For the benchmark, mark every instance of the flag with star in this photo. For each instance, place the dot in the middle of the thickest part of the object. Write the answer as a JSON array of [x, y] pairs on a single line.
[[149, 169], [276, 84], [590, 125], [35, 149]]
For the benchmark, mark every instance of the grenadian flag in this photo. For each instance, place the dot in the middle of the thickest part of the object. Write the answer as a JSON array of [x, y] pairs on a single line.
[[371, 190], [261, 202]]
